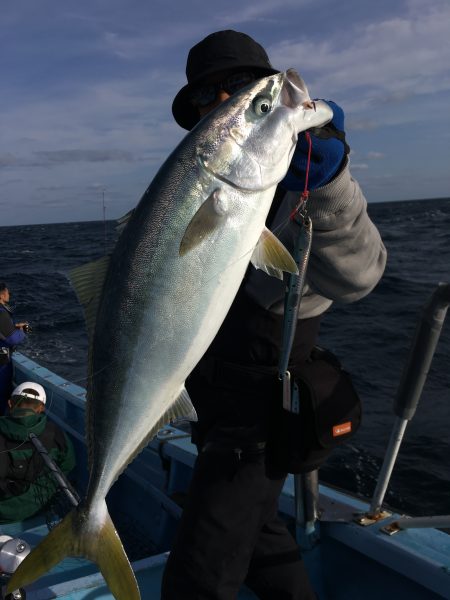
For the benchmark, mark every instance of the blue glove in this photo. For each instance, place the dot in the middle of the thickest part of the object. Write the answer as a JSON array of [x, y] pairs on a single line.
[[327, 154]]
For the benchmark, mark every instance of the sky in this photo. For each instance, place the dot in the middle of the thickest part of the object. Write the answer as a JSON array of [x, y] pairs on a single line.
[[87, 88]]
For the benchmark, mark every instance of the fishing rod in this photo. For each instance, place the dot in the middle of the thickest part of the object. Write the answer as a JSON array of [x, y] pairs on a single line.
[[56, 472]]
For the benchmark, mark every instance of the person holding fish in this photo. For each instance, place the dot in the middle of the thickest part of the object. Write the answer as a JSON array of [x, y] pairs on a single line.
[[230, 533], [193, 317]]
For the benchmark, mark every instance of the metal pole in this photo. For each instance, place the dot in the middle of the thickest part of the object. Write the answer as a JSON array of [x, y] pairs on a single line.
[[55, 470], [104, 220], [412, 381], [306, 487], [393, 448], [422, 352], [442, 521]]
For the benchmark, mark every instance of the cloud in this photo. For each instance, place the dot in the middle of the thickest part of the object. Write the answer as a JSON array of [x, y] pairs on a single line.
[[359, 124], [375, 155], [265, 10], [59, 157], [380, 63], [71, 156], [8, 160]]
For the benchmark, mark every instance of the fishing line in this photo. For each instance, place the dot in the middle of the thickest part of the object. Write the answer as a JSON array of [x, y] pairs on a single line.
[[305, 194]]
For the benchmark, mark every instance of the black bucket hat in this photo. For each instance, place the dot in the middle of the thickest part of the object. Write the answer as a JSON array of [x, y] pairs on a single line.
[[219, 51]]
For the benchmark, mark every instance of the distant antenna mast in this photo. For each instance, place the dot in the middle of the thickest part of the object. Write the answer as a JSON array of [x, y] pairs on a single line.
[[104, 219]]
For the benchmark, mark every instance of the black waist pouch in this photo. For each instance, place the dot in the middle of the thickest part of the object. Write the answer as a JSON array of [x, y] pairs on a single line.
[[329, 414]]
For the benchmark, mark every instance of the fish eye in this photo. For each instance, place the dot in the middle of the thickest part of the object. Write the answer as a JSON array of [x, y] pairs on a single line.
[[262, 105]]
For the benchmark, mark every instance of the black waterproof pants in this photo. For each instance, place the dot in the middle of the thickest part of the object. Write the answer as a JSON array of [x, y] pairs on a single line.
[[230, 534]]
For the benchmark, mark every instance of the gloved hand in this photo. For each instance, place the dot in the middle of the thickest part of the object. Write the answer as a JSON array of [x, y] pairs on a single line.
[[327, 154]]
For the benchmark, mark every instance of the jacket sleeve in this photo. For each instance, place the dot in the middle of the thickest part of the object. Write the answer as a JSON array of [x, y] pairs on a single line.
[[14, 339], [10, 335], [347, 257]]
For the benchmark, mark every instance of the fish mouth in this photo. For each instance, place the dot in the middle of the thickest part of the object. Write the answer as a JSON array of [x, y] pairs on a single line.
[[294, 92]]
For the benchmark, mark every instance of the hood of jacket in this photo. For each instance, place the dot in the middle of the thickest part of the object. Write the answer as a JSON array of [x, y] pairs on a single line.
[[19, 427]]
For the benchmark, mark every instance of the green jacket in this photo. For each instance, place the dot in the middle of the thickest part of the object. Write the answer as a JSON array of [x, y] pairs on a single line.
[[26, 485]]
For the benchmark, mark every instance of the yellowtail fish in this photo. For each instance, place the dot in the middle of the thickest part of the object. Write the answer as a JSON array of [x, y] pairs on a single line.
[[156, 304]]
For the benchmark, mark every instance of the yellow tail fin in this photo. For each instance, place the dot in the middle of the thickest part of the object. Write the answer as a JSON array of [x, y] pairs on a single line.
[[80, 535]]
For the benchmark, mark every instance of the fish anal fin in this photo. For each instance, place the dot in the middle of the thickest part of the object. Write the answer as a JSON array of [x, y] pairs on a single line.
[[183, 409], [272, 257], [180, 409], [208, 219]]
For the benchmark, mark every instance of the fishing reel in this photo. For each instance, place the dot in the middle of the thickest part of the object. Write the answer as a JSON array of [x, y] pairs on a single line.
[[12, 553]]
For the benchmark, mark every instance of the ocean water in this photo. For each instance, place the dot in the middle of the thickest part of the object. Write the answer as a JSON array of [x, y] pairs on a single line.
[[372, 338]]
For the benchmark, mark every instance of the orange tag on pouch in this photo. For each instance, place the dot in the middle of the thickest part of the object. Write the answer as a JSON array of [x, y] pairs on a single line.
[[342, 429]]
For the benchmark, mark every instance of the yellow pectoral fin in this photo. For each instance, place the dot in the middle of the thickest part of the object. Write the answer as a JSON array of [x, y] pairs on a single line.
[[208, 219], [272, 257]]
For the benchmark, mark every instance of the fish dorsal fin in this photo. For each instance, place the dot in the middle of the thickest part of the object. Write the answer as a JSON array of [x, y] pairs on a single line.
[[87, 282], [122, 221], [209, 217], [272, 257]]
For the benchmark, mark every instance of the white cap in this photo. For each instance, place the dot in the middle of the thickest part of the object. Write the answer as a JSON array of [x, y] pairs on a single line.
[[31, 390]]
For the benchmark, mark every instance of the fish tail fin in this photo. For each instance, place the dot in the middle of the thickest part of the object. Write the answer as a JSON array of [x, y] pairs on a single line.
[[79, 535], [114, 564]]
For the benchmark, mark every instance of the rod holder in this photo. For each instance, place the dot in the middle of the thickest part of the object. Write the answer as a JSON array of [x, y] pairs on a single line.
[[411, 383]]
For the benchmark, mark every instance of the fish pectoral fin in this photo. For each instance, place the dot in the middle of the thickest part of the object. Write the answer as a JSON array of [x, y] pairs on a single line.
[[272, 257], [208, 219], [87, 282], [183, 409]]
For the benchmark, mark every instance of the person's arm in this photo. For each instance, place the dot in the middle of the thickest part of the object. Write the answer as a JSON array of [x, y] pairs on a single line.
[[348, 256], [10, 335], [13, 339]]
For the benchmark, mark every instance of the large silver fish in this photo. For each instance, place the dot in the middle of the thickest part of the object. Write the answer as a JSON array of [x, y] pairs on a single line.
[[154, 307]]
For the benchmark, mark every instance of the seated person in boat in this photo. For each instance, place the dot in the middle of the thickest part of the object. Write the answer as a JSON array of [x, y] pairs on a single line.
[[230, 532], [11, 335], [26, 485]]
